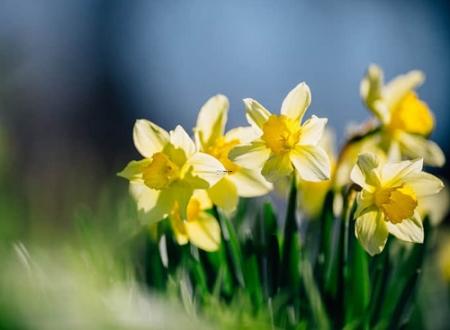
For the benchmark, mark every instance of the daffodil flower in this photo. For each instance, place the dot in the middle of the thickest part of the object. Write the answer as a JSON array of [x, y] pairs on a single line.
[[211, 138], [199, 227], [284, 144], [406, 121], [388, 200], [171, 170]]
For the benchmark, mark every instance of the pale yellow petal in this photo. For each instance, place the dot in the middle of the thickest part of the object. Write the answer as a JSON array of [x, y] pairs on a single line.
[[371, 231], [250, 155], [206, 168], [250, 183], [212, 119], [149, 138], [204, 232], [415, 146], [312, 130], [371, 85], [365, 170], [133, 171], [202, 197], [179, 230], [396, 89], [364, 201], [311, 162], [256, 114], [277, 167], [424, 184], [180, 192], [145, 197], [409, 230], [393, 173], [180, 139], [224, 194], [244, 135], [297, 102]]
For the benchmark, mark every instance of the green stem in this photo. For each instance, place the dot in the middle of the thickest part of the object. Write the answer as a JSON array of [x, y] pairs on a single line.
[[289, 262]]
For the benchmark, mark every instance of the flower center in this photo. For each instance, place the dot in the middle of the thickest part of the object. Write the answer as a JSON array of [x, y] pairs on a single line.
[[280, 133], [412, 115], [161, 172], [220, 150], [397, 203]]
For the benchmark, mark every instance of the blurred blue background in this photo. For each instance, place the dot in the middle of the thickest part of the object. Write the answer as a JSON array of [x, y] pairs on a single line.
[[74, 75]]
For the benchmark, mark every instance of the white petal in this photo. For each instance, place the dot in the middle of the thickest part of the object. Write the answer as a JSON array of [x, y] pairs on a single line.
[[415, 146], [145, 197], [364, 201], [224, 194], [149, 138], [256, 114], [206, 167], [204, 232], [397, 88], [296, 102], [250, 155], [371, 231], [180, 139], [244, 135], [212, 119], [409, 230], [311, 162], [250, 183], [312, 130]]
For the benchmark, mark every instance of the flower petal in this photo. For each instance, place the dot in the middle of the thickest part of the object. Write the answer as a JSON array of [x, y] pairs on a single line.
[[244, 135], [149, 138], [311, 162], [364, 172], [207, 168], [256, 114], [296, 102], [364, 201], [277, 167], [371, 231], [133, 171], [179, 230], [370, 88], [393, 173], [416, 146], [312, 130], [250, 155], [250, 183], [224, 194], [424, 184], [409, 230], [204, 232], [180, 139], [396, 89], [212, 119]]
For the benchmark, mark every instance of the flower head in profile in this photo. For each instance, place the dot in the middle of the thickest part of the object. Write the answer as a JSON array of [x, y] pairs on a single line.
[[283, 143], [406, 121], [171, 170], [388, 200], [211, 138], [199, 227]]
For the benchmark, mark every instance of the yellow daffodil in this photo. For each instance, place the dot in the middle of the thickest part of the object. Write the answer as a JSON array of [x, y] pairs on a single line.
[[388, 200], [199, 227], [406, 121], [170, 171], [284, 143], [212, 139]]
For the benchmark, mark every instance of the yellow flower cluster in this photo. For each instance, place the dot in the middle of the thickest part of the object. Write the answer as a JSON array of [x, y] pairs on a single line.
[[181, 180]]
